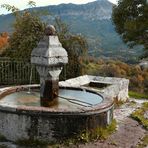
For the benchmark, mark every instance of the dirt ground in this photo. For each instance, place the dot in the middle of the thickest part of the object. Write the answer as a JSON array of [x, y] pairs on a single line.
[[127, 135]]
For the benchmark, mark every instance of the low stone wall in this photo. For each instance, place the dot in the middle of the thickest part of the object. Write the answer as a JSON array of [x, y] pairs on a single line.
[[117, 87]]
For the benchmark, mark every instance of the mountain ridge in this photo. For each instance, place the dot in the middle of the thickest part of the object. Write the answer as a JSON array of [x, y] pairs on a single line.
[[92, 20], [83, 9]]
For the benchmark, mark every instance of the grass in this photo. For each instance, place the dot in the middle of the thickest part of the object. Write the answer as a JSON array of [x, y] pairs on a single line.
[[2, 138], [99, 133], [137, 95], [83, 137], [139, 115], [88, 136], [132, 103], [144, 142]]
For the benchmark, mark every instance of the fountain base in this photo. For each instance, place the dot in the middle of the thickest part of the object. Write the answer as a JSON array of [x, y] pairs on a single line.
[[49, 93], [46, 103], [21, 122]]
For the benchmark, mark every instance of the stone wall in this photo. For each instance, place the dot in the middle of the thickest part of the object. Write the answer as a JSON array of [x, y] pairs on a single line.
[[117, 87]]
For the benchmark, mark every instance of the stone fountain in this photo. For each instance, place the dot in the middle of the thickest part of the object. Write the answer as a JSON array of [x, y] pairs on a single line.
[[49, 58], [55, 113]]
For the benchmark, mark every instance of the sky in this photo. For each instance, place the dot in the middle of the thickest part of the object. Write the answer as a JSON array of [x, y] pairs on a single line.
[[22, 4]]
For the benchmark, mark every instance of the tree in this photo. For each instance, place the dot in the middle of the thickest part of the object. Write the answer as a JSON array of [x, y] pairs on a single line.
[[76, 46], [29, 29], [130, 19]]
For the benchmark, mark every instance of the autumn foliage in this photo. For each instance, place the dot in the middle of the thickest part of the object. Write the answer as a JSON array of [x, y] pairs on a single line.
[[3, 41], [112, 68]]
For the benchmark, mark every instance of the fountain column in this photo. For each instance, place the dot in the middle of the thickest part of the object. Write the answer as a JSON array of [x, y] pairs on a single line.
[[49, 57]]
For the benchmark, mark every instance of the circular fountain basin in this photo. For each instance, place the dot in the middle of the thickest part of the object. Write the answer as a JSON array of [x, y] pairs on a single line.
[[77, 110], [68, 99]]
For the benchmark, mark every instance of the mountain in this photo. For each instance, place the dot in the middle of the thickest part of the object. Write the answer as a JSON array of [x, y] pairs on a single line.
[[92, 20]]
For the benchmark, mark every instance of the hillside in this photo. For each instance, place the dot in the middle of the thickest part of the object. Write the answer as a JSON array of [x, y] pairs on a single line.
[[92, 20]]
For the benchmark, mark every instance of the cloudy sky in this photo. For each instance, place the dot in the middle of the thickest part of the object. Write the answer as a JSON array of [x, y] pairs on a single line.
[[22, 4]]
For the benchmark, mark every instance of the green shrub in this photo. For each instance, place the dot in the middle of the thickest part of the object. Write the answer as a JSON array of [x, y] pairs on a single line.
[[137, 95], [144, 142], [139, 115], [98, 133]]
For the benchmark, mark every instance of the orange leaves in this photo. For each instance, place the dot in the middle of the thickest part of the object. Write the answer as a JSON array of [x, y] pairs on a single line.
[[3, 39], [137, 76]]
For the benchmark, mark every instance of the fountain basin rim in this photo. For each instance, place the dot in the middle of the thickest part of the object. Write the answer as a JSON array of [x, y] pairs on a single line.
[[105, 105]]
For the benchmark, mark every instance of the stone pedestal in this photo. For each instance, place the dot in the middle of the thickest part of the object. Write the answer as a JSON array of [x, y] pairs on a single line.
[[49, 92], [49, 58]]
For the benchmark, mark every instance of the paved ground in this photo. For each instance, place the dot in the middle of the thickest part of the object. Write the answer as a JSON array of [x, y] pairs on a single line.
[[128, 133]]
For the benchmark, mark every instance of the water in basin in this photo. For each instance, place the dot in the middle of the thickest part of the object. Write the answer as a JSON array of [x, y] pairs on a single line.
[[68, 98]]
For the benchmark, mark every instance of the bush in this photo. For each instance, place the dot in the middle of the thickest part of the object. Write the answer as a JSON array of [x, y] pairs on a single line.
[[139, 115], [138, 77]]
